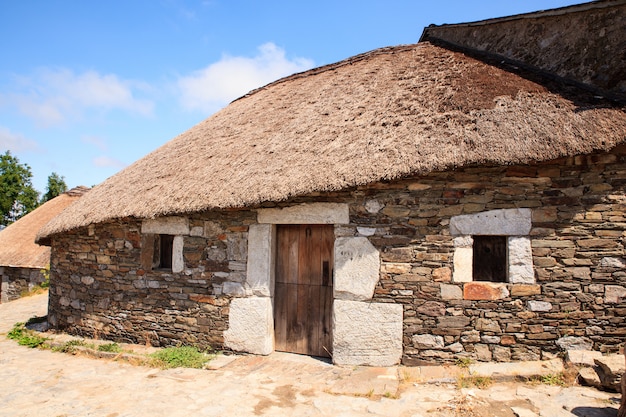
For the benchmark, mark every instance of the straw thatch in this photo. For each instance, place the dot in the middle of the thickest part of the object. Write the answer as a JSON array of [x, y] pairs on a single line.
[[17, 242], [381, 115]]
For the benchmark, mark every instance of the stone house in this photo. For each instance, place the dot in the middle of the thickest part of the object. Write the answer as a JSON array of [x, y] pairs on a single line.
[[460, 197], [21, 259]]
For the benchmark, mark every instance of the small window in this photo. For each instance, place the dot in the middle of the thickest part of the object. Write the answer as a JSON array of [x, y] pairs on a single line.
[[490, 258], [163, 248]]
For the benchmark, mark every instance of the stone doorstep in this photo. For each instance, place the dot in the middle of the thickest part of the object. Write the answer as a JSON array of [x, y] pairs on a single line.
[[502, 371], [378, 378], [497, 371], [367, 381], [357, 380]]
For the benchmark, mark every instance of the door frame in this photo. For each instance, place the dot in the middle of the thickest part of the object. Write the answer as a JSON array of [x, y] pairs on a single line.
[[365, 332], [312, 326]]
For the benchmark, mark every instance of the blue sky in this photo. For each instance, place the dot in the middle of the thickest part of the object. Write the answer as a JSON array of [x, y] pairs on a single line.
[[88, 87]]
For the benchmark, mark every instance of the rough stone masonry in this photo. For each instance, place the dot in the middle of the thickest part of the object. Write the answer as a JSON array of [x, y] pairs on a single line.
[[575, 295]]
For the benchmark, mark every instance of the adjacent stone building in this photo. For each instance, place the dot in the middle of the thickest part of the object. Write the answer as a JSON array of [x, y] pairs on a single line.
[[21, 259], [416, 204]]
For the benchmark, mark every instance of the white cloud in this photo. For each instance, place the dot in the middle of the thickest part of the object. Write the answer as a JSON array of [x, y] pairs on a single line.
[[221, 82], [15, 142], [52, 96], [107, 162], [95, 141]]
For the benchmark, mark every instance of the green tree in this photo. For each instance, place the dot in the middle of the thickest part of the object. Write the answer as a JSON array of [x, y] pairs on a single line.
[[56, 186], [17, 195]]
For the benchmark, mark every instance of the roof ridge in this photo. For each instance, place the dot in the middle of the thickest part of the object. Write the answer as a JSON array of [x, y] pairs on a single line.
[[329, 67]]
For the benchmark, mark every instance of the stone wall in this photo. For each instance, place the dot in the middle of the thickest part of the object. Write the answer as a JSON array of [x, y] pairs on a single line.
[[577, 236], [16, 281], [100, 289]]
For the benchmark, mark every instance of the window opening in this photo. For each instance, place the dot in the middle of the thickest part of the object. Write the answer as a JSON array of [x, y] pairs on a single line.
[[490, 258], [163, 249]]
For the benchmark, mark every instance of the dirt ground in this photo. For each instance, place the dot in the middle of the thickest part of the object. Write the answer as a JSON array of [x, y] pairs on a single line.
[[36, 382]]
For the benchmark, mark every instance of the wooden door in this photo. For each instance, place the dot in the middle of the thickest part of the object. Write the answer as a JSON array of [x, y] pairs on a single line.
[[304, 289]]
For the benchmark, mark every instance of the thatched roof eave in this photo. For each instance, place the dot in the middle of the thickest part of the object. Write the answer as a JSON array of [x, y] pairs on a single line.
[[384, 115]]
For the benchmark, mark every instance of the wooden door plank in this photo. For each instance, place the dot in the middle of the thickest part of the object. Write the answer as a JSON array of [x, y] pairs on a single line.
[[291, 235], [326, 294], [280, 317], [300, 330], [326, 336], [282, 261], [315, 257], [315, 318], [293, 334], [327, 255]]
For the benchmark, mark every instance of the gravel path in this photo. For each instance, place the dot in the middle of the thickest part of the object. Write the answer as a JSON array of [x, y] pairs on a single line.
[[37, 382]]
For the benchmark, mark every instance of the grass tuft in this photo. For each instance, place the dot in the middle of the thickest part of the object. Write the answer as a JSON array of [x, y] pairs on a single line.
[[481, 382], [180, 357], [25, 337], [550, 379], [70, 346], [110, 347], [463, 362]]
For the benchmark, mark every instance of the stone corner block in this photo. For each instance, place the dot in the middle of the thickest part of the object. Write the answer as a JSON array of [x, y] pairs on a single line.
[[521, 269], [484, 291], [463, 261], [172, 225], [260, 265], [367, 333], [357, 268], [178, 260], [250, 326], [307, 213]]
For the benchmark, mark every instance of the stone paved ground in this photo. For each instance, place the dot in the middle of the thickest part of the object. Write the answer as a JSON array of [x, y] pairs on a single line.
[[44, 383]]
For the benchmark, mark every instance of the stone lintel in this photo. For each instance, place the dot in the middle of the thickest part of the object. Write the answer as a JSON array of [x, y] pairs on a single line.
[[484, 291], [357, 268], [166, 226], [250, 326], [507, 222], [366, 333], [308, 213]]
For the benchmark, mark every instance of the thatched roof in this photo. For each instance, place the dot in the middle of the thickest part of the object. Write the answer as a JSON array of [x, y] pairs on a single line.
[[17, 241], [382, 115]]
